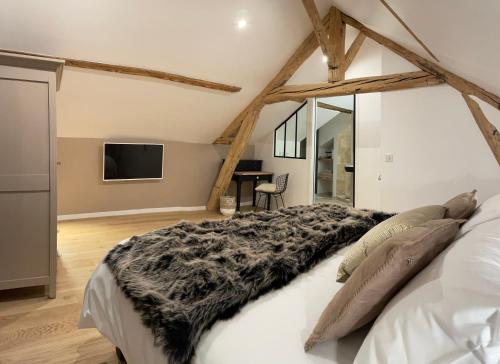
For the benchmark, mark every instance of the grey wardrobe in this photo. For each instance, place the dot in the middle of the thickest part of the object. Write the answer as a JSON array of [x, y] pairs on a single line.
[[28, 202]]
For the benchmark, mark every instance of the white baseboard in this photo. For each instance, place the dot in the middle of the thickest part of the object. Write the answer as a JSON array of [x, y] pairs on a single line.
[[91, 215]]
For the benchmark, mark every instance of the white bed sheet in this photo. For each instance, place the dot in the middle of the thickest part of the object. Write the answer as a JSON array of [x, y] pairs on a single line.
[[270, 330]]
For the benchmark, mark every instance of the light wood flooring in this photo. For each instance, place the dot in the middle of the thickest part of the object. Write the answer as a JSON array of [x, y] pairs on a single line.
[[35, 329]]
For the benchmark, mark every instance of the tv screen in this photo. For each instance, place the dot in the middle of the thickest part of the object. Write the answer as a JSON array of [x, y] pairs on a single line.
[[132, 161]]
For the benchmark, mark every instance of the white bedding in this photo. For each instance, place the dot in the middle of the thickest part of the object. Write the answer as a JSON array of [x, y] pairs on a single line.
[[270, 330]]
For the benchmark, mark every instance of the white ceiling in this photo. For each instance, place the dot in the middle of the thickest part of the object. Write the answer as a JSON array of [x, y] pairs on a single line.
[[200, 39]]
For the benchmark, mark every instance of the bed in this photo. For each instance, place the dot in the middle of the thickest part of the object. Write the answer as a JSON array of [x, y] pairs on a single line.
[[252, 336], [456, 300], [273, 326]]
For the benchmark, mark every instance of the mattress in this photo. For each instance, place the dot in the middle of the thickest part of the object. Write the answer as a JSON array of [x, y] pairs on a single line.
[[272, 329]]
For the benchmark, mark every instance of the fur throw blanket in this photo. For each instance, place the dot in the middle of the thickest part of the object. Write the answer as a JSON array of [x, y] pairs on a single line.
[[184, 278]]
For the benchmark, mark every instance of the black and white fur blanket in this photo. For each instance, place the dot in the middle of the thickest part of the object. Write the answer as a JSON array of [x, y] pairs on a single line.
[[184, 278]]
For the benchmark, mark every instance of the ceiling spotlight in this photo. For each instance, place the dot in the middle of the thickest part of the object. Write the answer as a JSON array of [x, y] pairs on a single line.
[[242, 23], [325, 59]]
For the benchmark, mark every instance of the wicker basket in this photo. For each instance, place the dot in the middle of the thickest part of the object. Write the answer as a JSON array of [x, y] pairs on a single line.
[[227, 205]]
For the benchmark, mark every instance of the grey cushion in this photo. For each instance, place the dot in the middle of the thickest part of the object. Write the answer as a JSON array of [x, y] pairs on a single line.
[[383, 231], [461, 206], [380, 276]]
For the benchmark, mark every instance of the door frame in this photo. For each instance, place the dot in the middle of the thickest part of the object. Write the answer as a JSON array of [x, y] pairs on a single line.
[[312, 105]]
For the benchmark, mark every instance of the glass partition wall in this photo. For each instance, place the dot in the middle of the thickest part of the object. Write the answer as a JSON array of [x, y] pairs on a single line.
[[334, 150], [290, 137]]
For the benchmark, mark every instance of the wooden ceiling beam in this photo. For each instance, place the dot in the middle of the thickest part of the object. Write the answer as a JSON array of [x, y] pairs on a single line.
[[233, 157], [324, 105], [353, 50], [457, 82], [408, 29], [144, 72], [224, 140], [331, 39], [399, 81], [488, 130], [135, 71], [320, 30], [303, 52], [336, 60]]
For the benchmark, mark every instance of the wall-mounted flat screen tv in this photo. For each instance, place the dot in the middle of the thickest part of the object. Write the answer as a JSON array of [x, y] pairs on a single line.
[[132, 161]]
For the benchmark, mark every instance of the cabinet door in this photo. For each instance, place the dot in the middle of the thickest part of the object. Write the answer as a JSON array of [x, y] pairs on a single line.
[[24, 240], [24, 180], [24, 136]]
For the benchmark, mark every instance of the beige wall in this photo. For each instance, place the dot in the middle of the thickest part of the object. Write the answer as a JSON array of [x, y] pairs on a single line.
[[189, 172]]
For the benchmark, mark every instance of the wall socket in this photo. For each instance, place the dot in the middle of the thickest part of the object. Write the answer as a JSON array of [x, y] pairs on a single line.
[[389, 157]]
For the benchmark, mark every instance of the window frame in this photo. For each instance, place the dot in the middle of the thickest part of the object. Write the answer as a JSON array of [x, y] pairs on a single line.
[[294, 114]]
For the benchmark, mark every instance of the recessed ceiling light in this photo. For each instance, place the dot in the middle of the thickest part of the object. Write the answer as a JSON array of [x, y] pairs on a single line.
[[242, 23], [325, 59]]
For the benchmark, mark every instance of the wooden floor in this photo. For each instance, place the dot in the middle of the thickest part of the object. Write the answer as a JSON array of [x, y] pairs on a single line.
[[35, 329]]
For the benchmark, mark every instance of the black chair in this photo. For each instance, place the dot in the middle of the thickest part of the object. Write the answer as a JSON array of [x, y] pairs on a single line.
[[273, 189]]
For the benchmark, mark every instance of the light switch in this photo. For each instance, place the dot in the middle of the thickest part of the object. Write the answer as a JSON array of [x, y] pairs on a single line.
[[389, 157]]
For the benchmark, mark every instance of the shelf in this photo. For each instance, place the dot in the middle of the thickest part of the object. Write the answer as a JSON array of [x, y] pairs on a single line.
[[321, 178], [325, 158], [325, 194]]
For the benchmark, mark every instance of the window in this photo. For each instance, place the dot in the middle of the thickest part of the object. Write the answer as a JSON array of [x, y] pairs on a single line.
[[279, 141], [290, 136]]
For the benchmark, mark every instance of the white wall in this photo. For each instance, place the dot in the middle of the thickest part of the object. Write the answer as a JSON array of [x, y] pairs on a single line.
[[368, 118], [299, 180], [297, 190], [437, 146]]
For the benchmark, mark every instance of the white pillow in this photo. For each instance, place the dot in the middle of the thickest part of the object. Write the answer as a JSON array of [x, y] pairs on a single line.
[[488, 210], [450, 312]]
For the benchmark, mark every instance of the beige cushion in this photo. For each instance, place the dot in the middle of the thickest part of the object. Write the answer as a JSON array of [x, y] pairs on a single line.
[[461, 206], [266, 187], [384, 231], [379, 278]]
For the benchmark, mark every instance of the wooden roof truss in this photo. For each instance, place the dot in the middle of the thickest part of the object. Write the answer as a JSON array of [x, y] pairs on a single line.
[[329, 34]]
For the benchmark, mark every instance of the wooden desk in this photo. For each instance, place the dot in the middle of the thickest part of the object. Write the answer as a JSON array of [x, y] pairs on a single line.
[[253, 176]]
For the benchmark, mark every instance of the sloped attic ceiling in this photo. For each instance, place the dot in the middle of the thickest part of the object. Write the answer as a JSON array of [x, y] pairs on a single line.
[[191, 37], [462, 34], [200, 39]]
